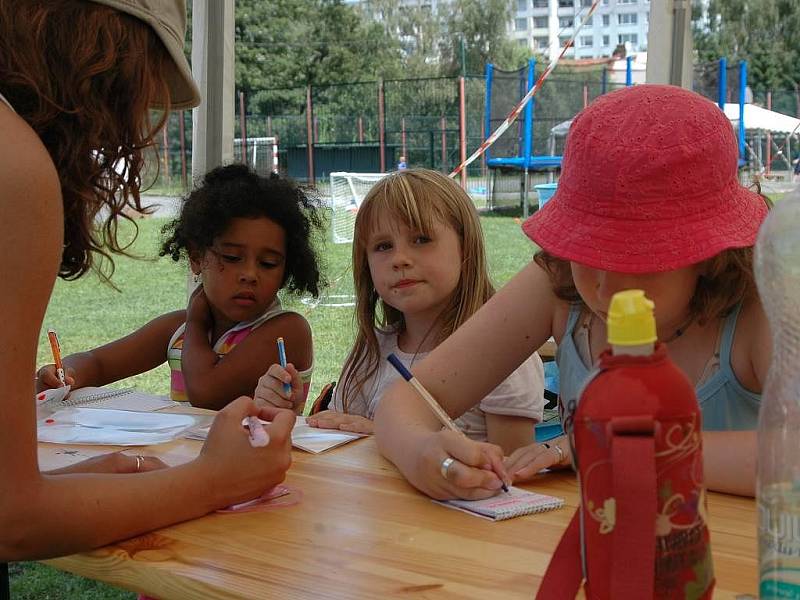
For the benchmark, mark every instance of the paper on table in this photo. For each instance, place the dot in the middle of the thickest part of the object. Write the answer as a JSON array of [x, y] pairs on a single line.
[[101, 397], [112, 427], [304, 437], [316, 440]]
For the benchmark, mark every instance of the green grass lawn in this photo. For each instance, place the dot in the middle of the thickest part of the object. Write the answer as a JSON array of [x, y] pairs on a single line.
[[87, 313]]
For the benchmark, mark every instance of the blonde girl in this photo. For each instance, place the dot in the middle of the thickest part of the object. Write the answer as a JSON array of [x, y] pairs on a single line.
[[419, 269]]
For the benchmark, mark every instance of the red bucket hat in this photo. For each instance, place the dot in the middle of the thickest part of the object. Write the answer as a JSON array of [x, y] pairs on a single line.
[[648, 184]]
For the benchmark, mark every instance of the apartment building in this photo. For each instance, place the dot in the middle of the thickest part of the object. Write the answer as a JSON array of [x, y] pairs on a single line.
[[546, 25]]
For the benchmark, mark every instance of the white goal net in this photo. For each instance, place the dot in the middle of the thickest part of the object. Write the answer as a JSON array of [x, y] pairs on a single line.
[[347, 193], [261, 153]]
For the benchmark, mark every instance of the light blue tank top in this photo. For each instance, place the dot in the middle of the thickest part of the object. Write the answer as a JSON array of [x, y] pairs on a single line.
[[724, 402]]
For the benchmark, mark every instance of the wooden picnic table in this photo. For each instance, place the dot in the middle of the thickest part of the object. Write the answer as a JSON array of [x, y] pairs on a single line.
[[361, 531]]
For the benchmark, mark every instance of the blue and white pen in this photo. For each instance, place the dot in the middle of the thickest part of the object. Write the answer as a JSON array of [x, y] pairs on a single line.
[[287, 387], [443, 417]]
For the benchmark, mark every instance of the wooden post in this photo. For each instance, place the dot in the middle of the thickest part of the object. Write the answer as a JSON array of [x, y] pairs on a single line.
[[381, 125], [403, 135], [462, 129], [310, 137], [443, 124], [182, 128], [769, 137], [166, 152], [243, 127]]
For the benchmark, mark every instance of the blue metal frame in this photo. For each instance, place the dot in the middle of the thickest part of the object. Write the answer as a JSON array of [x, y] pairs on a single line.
[[722, 91], [742, 90], [488, 111], [525, 159], [629, 71], [527, 135]]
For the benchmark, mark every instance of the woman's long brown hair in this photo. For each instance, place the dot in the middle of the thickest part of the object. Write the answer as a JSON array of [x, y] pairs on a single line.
[[83, 76]]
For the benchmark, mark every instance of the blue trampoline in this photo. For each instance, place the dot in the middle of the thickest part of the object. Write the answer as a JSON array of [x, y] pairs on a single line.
[[514, 149]]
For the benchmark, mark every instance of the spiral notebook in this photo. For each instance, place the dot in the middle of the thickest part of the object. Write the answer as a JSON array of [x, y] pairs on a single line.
[[515, 503], [100, 397]]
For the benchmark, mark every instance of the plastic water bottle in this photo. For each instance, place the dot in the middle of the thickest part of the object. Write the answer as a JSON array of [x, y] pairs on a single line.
[[777, 263]]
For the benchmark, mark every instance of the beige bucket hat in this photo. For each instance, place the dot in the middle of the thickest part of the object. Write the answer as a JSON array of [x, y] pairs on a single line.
[[168, 20]]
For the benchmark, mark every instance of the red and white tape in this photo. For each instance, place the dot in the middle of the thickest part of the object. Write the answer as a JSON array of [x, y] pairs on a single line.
[[512, 116]]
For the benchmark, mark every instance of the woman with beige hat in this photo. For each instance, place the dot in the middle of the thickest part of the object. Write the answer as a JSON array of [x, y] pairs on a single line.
[[77, 79]]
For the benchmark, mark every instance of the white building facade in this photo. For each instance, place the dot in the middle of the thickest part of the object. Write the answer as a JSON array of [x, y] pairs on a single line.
[[546, 25]]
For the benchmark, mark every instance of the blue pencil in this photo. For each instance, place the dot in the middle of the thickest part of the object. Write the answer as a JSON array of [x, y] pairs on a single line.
[[287, 387]]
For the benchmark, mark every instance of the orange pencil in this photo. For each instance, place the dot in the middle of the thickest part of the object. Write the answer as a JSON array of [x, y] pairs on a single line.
[[56, 348]]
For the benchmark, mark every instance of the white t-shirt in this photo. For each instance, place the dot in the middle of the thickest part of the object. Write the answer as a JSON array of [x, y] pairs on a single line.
[[520, 395]]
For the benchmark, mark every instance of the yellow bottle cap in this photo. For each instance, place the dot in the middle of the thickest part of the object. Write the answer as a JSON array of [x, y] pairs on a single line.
[[630, 319]]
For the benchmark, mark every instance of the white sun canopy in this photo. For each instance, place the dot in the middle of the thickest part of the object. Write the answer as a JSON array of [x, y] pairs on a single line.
[[759, 118]]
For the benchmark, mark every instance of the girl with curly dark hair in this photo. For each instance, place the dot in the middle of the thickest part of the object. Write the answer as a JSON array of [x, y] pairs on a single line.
[[246, 237]]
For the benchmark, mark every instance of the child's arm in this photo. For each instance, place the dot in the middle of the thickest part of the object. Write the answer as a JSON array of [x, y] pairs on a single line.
[[509, 432], [514, 407], [459, 372], [212, 382], [140, 351]]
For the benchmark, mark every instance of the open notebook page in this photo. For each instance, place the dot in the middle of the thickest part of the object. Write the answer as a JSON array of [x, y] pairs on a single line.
[[304, 437]]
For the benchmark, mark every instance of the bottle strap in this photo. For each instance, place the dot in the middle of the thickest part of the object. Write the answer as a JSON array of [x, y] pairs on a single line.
[[564, 574], [633, 546]]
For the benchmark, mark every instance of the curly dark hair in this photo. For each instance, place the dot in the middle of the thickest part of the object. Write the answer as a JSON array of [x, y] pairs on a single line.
[[85, 90], [235, 191]]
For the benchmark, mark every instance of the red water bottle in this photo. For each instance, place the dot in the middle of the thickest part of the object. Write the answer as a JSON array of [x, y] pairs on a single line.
[[640, 531]]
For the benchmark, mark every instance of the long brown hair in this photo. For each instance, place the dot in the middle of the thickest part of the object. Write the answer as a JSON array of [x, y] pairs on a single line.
[[420, 198], [83, 77], [725, 280]]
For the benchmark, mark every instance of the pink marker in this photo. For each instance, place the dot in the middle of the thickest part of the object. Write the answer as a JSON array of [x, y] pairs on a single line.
[[258, 435]]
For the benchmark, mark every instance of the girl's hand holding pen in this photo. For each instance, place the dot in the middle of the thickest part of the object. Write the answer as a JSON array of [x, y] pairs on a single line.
[[47, 378], [271, 390], [474, 473]]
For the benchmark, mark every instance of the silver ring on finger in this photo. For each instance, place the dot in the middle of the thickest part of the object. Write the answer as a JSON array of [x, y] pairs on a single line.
[[445, 466], [139, 461]]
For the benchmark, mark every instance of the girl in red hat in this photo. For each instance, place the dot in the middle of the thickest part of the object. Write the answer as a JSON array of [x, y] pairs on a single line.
[[648, 198]]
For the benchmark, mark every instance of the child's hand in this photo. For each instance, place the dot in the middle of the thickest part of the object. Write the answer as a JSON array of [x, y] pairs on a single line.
[[524, 463], [475, 472], [236, 471], [330, 419], [199, 309], [46, 378], [270, 390]]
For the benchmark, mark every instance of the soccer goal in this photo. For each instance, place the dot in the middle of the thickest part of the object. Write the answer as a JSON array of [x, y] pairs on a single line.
[[347, 193], [261, 153]]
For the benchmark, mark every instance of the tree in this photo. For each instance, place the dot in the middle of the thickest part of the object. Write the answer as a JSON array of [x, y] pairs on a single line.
[[481, 26], [763, 32], [295, 43]]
